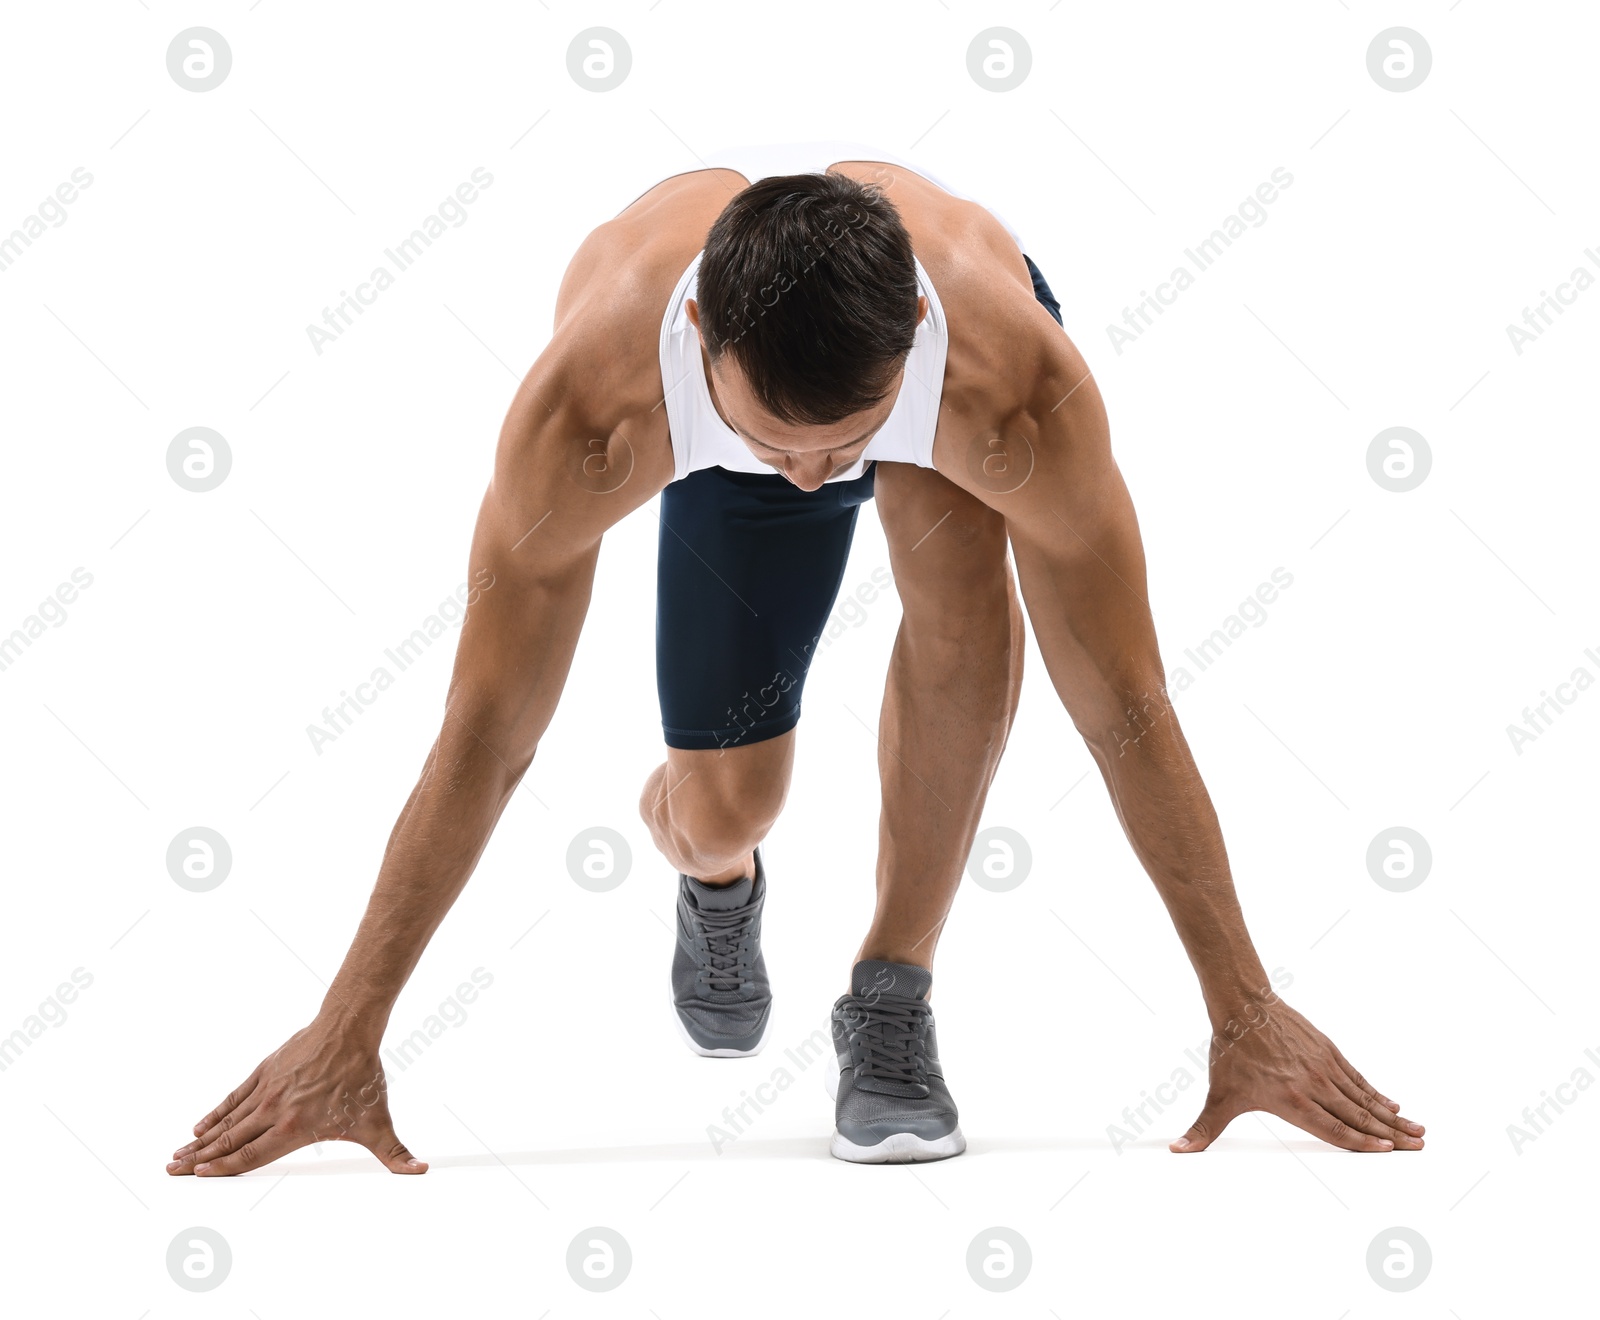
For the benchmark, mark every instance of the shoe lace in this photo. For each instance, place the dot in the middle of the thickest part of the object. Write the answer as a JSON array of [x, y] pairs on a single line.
[[891, 1033], [725, 938]]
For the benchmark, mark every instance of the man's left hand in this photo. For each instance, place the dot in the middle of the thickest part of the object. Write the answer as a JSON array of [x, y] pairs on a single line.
[[1285, 1066]]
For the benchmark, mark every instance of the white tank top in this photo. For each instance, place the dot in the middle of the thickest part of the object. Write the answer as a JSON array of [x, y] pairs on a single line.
[[701, 439]]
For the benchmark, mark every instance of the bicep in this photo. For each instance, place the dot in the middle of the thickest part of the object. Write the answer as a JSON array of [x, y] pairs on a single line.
[[1081, 568], [534, 551], [527, 604]]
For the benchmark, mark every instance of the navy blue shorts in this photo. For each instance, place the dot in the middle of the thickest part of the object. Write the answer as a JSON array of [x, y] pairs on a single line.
[[747, 571]]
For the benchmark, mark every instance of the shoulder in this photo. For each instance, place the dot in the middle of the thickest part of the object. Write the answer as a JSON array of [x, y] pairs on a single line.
[[1000, 337], [1010, 369], [614, 293], [588, 410], [603, 357]]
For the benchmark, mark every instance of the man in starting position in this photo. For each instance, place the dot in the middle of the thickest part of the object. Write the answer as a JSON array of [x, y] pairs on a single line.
[[768, 342]]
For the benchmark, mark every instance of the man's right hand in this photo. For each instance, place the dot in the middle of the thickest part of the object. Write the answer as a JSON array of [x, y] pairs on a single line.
[[319, 1086]]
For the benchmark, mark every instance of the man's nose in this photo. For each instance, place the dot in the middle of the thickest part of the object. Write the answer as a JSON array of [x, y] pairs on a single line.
[[809, 476]]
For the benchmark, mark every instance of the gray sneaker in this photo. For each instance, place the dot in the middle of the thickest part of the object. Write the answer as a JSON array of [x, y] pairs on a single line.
[[720, 991], [892, 1106]]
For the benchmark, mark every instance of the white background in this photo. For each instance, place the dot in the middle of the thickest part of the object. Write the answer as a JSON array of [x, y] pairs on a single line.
[[1377, 693]]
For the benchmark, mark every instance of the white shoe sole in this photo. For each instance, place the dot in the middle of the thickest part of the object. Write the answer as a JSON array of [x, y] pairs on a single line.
[[704, 1053], [899, 1148]]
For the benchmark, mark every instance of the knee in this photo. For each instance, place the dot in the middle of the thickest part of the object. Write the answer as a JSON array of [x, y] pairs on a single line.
[[712, 842], [703, 837], [706, 822]]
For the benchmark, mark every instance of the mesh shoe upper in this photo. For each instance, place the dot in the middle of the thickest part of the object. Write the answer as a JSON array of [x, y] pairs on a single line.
[[719, 977], [889, 1075]]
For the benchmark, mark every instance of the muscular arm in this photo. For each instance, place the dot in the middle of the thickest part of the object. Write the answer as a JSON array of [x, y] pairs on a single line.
[[1081, 569], [531, 568], [532, 565]]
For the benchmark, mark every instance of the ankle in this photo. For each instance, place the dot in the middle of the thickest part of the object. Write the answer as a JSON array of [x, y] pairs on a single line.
[[914, 955], [743, 869]]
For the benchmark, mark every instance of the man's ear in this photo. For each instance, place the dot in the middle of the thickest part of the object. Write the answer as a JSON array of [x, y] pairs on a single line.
[[922, 308], [693, 309]]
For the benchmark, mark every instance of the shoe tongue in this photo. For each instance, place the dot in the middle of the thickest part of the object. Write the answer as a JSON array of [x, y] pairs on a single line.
[[722, 898], [906, 980]]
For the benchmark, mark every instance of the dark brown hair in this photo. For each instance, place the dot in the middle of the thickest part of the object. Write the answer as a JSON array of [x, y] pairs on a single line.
[[807, 283]]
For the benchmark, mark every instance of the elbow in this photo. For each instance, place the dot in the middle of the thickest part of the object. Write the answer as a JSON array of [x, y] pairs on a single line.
[[480, 752]]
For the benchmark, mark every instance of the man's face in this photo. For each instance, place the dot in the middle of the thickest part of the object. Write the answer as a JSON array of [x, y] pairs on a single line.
[[806, 455]]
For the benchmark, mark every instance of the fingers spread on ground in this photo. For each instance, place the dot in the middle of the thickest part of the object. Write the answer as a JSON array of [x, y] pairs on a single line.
[[1317, 1120], [228, 1121], [1405, 1134], [1362, 1082], [1361, 1119], [233, 1139], [260, 1150], [234, 1097]]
